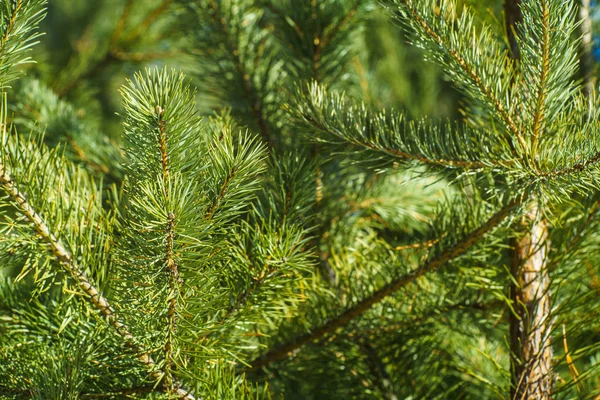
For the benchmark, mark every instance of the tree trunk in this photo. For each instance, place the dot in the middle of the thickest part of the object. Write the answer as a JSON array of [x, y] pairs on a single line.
[[530, 322]]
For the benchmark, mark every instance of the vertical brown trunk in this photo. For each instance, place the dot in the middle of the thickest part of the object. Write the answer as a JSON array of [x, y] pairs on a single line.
[[531, 321]]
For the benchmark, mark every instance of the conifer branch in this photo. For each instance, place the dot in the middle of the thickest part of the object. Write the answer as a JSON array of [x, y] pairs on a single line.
[[174, 284], [530, 323], [99, 302], [576, 168], [115, 53], [391, 133], [149, 20], [440, 162], [366, 304], [9, 27], [469, 71], [172, 268], [412, 322], [121, 22], [221, 195], [538, 119], [18, 21], [321, 41], [252, 97]]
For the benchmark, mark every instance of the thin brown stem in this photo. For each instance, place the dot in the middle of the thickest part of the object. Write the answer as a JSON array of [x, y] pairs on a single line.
[[69, 265], [172, 268], [149, 20], [366, 304], [213, 208]]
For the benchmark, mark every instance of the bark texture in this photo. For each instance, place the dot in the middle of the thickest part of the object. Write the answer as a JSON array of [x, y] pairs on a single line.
[[531, 322]]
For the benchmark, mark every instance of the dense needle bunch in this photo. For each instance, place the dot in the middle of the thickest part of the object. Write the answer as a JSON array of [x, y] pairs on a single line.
[[302, 225]]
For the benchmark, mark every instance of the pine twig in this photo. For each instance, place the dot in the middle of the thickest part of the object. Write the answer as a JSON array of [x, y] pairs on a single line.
[[470, 71], [10, 26], [538, 119], [70, 266], [399, 153], [252, 97], [172, 267], [366, 304]]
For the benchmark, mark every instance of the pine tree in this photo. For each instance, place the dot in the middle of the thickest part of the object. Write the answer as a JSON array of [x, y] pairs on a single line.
[[282, 231]]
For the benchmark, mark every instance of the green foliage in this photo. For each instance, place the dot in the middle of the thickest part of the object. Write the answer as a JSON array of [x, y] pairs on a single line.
[[303, 225], [18, 22]]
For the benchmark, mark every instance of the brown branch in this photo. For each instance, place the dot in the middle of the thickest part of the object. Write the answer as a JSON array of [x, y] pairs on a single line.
[[366, 304], [116, 35], [423, 245], [321, 41], [172, 267], [573, 169], [66, 261], [411, 322], [114, 53], [213, 208]]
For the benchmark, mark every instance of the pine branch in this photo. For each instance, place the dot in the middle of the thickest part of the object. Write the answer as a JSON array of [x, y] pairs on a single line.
[[221, 195], [149, 20], [174, 279], [37, 105], [66, 261], [364, 305], [322, 41], [577, 168], [18, 21], [391, 133], [538, 119], [116, 50], [252, 97], [10, 26], [421, 23]]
